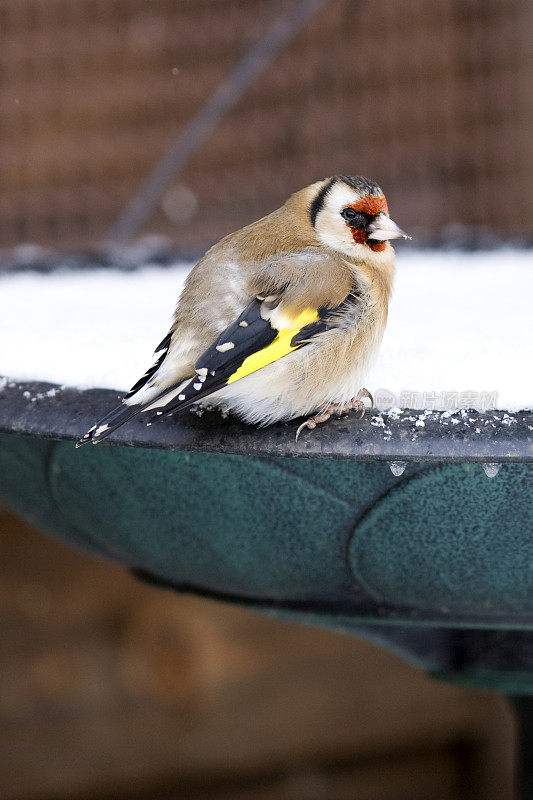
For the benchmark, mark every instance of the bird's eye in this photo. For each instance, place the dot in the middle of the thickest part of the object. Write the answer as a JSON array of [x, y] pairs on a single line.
[[355, 218]]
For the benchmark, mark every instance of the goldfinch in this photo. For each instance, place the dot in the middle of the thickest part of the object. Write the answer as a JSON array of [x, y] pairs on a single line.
[[282, 318]]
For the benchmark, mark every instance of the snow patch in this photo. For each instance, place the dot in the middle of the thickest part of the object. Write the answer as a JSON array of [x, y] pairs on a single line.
[[458, 330]]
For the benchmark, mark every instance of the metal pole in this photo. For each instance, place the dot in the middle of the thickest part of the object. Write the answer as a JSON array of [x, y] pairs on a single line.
[[523, 707], [230, 91]]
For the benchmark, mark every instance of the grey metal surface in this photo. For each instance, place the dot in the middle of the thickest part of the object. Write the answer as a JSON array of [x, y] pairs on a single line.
[[45, 410]]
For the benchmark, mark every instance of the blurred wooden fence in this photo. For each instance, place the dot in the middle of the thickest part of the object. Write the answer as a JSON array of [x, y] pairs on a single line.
[[431, 99]]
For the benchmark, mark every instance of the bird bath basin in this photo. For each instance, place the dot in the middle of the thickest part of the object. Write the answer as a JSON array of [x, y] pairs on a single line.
[[387, 527]]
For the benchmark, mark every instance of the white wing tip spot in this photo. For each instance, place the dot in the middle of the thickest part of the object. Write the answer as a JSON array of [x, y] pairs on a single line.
[[181, 397], [197, 386], [225, 346], [243, 323]]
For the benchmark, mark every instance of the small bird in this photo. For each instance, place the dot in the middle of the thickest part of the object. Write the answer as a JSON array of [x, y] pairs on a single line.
[[282, 318]]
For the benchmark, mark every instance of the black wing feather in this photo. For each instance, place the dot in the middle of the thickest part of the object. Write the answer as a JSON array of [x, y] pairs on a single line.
[[219, 362], [246, 339], [250, 333], [218, 365], [346, 314]]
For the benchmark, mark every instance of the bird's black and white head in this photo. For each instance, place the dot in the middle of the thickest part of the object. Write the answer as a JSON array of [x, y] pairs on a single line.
[[350, 215]]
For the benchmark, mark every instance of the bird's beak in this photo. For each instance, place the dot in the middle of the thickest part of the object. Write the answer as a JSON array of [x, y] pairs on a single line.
[[383, 228]]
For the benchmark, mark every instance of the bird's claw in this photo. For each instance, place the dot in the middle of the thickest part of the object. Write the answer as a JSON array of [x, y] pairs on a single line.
[[309, 423], [337, 408], [312, 422], [365, 393]]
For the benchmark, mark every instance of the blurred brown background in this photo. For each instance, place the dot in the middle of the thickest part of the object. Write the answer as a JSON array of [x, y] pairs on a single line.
[[431, 99], [110, 689]]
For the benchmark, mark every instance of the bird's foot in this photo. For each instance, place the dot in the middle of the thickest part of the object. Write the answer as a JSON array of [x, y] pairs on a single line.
[[328, 409]]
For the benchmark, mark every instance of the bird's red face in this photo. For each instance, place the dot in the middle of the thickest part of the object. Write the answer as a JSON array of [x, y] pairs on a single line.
[[350, 215], [365, 210]]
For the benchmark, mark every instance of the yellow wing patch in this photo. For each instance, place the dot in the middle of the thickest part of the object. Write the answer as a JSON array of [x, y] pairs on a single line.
[[276, 349]]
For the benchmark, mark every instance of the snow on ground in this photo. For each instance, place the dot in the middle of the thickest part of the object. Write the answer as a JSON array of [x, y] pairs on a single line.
[[459, 332]]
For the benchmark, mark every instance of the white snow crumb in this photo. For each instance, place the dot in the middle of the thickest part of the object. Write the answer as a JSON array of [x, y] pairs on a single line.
[[41, 395], [442, 348], [420, 423], [378, 422]]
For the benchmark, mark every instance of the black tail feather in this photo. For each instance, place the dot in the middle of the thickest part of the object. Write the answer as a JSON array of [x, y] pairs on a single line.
[[117, 417], [124, 412]]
